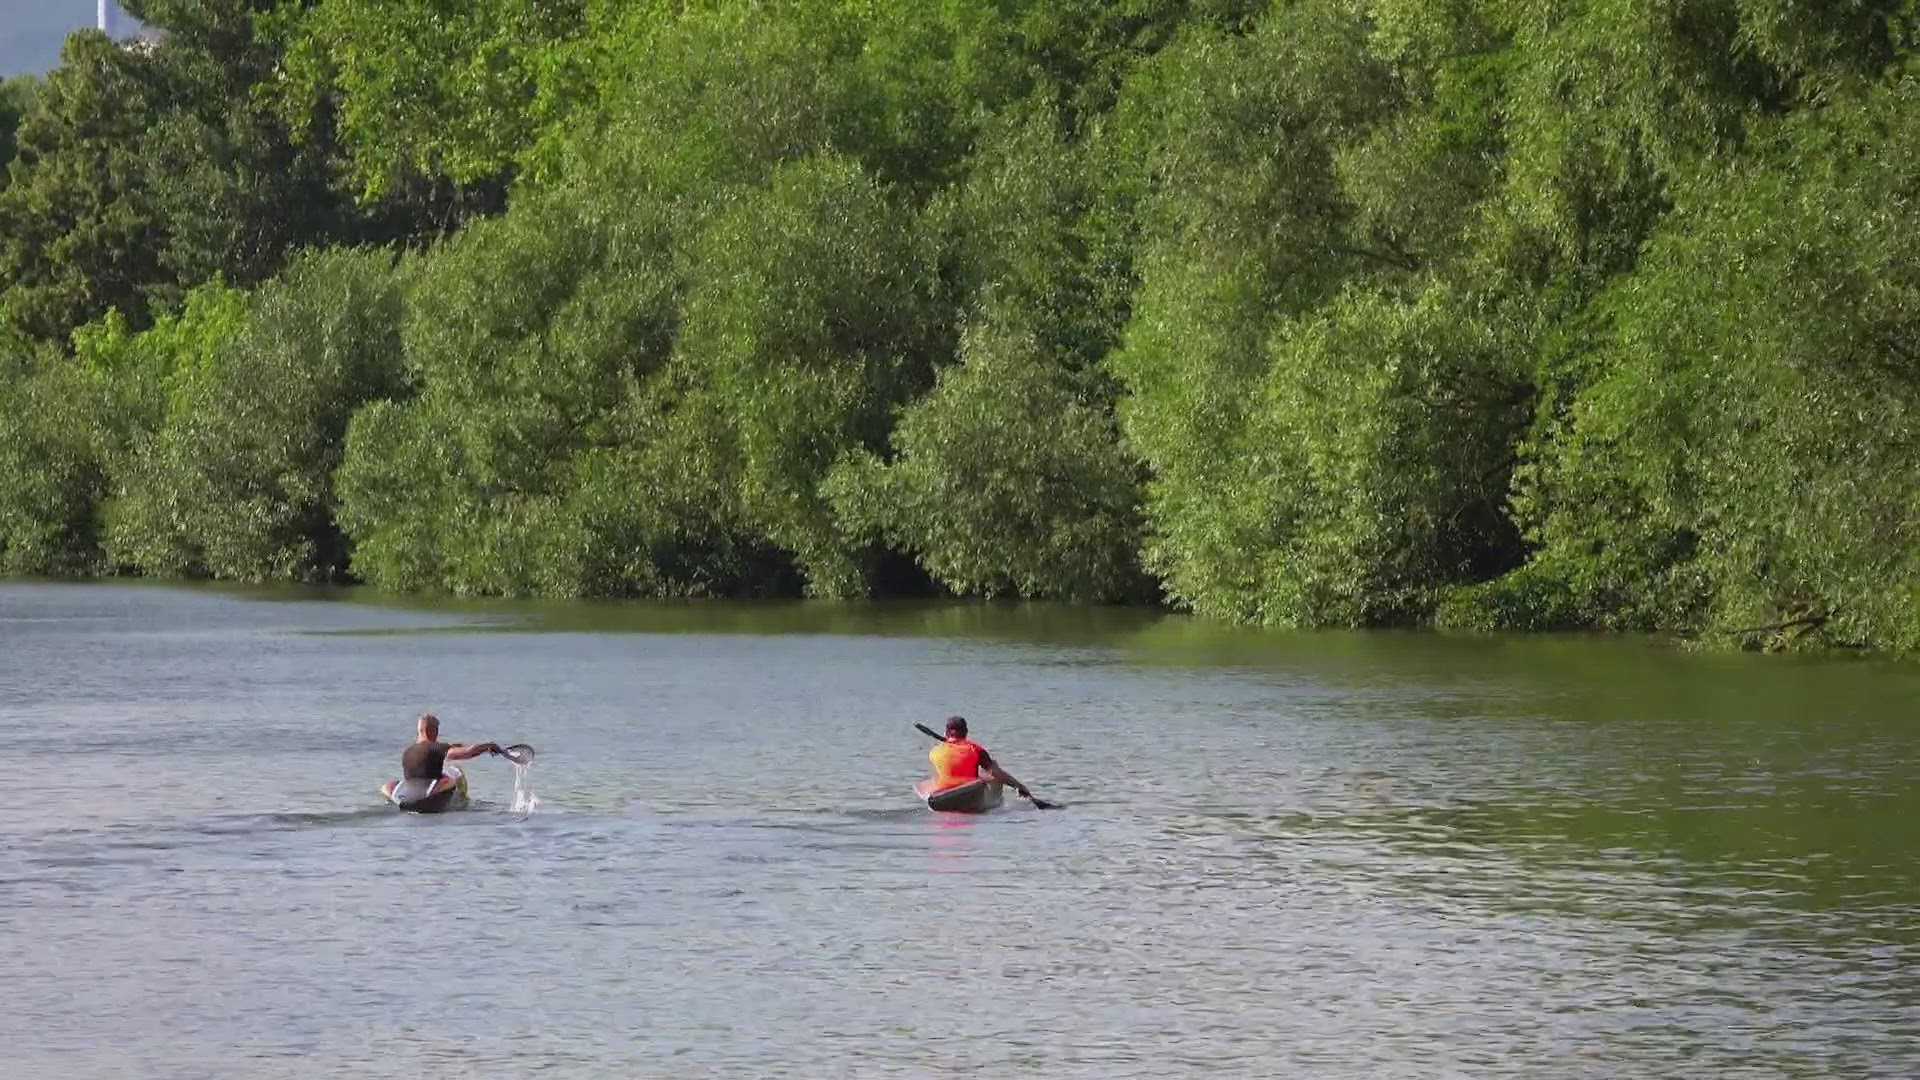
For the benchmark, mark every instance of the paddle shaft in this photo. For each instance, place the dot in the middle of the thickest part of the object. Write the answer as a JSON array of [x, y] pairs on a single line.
[[1039, 804]]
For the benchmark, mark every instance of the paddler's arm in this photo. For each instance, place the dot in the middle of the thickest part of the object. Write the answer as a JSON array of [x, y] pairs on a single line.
[[463, 751], [1003, 776], [1006, 778]]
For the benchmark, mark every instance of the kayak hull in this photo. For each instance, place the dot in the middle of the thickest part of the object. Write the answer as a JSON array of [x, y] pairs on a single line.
[[450, 793], [976, 798]]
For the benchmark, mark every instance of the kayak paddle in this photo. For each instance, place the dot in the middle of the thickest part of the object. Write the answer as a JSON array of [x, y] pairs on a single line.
[[1038, 803], [518, 753]]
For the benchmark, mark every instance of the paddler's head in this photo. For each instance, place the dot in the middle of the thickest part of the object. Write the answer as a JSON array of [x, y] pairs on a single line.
[[956, 728], [429, 727]]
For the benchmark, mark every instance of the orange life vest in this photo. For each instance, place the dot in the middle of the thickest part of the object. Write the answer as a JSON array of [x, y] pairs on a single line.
[[955, 762]]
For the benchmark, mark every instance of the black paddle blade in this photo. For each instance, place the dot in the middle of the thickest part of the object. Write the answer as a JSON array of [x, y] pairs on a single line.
[[518, 753], [1042, 804]]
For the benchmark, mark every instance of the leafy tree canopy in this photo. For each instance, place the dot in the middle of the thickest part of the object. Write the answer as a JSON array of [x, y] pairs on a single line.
[[1514, 314]]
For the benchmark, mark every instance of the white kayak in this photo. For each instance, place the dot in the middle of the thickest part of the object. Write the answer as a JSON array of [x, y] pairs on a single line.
[[447, 793], [976, 798]]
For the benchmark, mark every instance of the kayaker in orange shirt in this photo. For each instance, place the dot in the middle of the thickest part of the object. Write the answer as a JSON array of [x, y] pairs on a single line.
[[959, 760]]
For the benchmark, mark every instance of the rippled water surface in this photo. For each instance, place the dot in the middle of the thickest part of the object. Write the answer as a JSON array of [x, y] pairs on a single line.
[[1391, 855]]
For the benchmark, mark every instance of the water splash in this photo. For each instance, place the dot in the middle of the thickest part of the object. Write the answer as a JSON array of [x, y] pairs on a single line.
[[524, 800]]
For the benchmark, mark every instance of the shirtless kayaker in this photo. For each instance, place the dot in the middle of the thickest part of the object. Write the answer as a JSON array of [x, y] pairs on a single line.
[[425, 759]]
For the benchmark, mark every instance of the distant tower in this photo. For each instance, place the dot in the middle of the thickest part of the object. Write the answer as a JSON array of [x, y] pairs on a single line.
[[107, 14]]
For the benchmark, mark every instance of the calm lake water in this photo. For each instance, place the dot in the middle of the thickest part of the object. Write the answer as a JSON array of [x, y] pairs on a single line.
[[1302, 855]]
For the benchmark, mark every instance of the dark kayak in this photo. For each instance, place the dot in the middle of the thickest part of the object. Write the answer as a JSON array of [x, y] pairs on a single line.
[[976, 798]]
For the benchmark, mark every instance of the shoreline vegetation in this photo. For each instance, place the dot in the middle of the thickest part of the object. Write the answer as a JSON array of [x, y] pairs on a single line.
[[1526, 314]]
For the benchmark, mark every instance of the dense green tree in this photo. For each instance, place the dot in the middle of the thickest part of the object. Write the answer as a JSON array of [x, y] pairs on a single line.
[[428, 91], [701, 265], [52, 468], [1743, 450], [1525, 313], [1242, 225], [808, 311], [16, 97], [78, 233], [1010, 476], [723, 95], [523, 335], [1378, 457], [236, 481], [1007, 481], [143, 172]]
